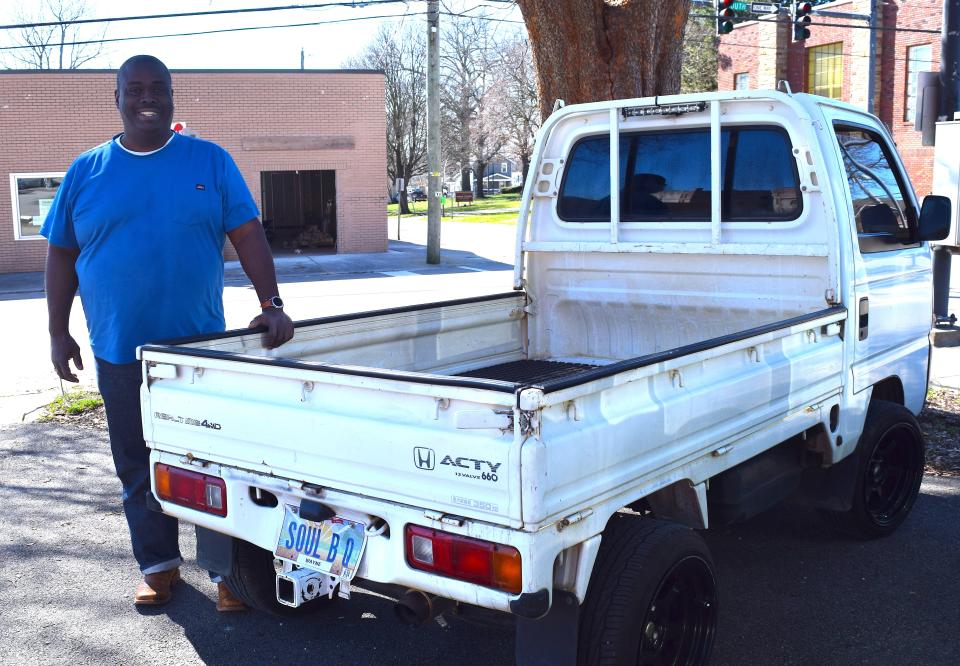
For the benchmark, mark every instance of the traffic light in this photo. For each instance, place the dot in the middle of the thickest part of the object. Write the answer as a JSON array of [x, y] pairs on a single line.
[[724, 12], [800, 16]]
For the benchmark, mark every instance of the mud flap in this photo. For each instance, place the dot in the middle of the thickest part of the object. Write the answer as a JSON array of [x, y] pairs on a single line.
[[214, 551], [552, 639], [831, 488]]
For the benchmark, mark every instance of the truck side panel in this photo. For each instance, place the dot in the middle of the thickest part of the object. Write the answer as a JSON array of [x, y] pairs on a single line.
[[639, 432]]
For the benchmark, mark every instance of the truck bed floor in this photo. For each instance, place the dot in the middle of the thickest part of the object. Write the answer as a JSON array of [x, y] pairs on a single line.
[[528, 372]]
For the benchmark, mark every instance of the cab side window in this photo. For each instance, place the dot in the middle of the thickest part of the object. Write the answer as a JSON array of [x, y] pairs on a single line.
[[885, 218]]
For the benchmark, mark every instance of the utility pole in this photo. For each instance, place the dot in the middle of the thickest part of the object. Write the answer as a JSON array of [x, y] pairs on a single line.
[[301, 57], [949, 104], [433, 132], [872, 63]]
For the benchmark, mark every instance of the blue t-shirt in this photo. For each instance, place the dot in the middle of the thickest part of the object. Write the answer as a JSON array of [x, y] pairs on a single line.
[[150, 230]]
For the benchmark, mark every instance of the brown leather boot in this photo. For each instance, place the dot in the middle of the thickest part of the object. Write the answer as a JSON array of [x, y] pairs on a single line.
[[226, 602], [154, 589]]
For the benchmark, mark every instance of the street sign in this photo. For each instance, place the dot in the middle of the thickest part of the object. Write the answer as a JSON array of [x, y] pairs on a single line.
[[764, 8], [740, 6]]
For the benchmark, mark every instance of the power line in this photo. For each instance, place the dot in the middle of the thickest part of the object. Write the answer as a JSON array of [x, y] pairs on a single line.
[[357, 4], [212, 12], [843, 53], [212, 32], [714, 17], [406, 14], [481, 18]]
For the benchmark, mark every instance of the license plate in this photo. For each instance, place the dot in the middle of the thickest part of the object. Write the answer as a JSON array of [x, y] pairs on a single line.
[[332, 546]]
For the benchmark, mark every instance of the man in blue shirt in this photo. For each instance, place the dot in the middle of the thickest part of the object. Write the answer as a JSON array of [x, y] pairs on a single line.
[[138, 226]]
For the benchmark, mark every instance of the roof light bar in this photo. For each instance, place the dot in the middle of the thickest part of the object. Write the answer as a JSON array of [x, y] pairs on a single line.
[[664, 109]]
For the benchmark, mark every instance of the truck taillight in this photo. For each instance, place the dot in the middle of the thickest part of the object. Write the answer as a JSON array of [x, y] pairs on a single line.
[[472, 560], [191, 489]]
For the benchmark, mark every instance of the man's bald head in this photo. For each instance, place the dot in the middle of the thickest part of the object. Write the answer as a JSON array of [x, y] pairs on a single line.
[[131, 62]]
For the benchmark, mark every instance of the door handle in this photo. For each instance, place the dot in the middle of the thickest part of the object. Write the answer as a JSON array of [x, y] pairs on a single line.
[[863, 312]]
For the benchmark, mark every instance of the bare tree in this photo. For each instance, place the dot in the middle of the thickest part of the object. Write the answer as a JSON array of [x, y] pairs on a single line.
[[519, 102], [489, 131], [588, 50], [52, 46], [473, 133], [460, 73], [403, 60], [698, 73]]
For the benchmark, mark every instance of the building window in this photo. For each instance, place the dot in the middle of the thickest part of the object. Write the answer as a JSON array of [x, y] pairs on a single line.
[[32, 195], [825, 70], [919, 59], [741, 81]]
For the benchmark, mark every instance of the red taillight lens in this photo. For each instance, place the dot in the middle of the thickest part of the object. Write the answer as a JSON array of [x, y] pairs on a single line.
[[191, 489], [472, 560]]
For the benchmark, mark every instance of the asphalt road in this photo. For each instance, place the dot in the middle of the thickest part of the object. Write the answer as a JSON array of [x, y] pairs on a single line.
[[791, 591]]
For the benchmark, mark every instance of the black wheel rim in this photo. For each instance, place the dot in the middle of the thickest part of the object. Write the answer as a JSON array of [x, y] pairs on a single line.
[[678, 626], [892, 475]]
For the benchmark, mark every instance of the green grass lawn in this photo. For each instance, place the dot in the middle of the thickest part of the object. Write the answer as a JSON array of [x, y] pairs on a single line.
[[485, 218], [468, 212]]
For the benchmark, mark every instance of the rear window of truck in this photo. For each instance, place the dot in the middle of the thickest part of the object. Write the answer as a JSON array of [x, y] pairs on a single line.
[[665, 177]]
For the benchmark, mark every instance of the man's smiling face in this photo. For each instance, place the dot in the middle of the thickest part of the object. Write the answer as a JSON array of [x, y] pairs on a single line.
[[145, 100]]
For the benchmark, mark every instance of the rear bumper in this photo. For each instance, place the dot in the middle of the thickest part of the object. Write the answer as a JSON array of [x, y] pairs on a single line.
[[384, 560]]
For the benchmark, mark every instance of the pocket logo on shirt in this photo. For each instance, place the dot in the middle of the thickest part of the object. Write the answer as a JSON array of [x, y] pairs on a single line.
[[201, 187]]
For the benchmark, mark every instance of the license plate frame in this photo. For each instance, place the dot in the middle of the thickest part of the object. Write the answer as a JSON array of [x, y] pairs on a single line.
[[316, 545]]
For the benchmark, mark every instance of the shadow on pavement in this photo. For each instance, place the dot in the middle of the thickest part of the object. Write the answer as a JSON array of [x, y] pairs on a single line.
[[402, 258], [791, 590]]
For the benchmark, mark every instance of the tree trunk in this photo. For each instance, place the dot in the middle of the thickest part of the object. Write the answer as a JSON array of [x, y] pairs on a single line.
[[478, 183], [465, 180], [592, 50], [403, 171]]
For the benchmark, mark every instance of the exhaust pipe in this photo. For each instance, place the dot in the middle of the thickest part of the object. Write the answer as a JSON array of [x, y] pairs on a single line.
[[416, 607]]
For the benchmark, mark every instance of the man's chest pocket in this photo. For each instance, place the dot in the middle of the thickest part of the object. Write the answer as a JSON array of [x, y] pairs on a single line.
[[195, 205]]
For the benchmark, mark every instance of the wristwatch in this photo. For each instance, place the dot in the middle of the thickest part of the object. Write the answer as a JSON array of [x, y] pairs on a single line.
[[274, 302]]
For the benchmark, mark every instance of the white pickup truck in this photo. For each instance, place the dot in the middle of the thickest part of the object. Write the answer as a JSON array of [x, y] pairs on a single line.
[[742, 317]]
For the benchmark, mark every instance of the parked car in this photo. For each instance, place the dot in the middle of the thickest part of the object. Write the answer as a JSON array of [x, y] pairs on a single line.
[[417, 194]]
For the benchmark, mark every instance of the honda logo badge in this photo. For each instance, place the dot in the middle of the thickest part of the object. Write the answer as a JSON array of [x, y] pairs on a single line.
[[424, 458]]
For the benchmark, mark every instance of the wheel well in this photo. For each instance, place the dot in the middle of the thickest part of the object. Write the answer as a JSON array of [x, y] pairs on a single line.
[[890, 390]]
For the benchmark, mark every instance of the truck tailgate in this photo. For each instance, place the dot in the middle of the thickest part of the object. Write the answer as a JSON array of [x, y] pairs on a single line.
[[445, 445]]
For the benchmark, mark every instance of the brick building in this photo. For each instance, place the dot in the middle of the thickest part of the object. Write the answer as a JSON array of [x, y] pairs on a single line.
[[311, 146], [834, 62]]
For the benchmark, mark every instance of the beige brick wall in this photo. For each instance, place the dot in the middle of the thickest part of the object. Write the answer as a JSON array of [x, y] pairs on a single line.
[[48, 118]]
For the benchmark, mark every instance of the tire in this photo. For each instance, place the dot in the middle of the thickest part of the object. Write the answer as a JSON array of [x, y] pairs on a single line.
[[652, 597], [889, 471], [254, 581]]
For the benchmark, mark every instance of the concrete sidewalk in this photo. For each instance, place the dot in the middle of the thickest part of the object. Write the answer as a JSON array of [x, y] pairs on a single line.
[[401, 258]]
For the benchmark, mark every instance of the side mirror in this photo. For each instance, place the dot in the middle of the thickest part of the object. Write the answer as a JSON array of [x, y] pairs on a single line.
[[934, 218]]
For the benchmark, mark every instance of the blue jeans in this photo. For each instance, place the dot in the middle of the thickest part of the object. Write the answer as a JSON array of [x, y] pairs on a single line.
[[154, 536]]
